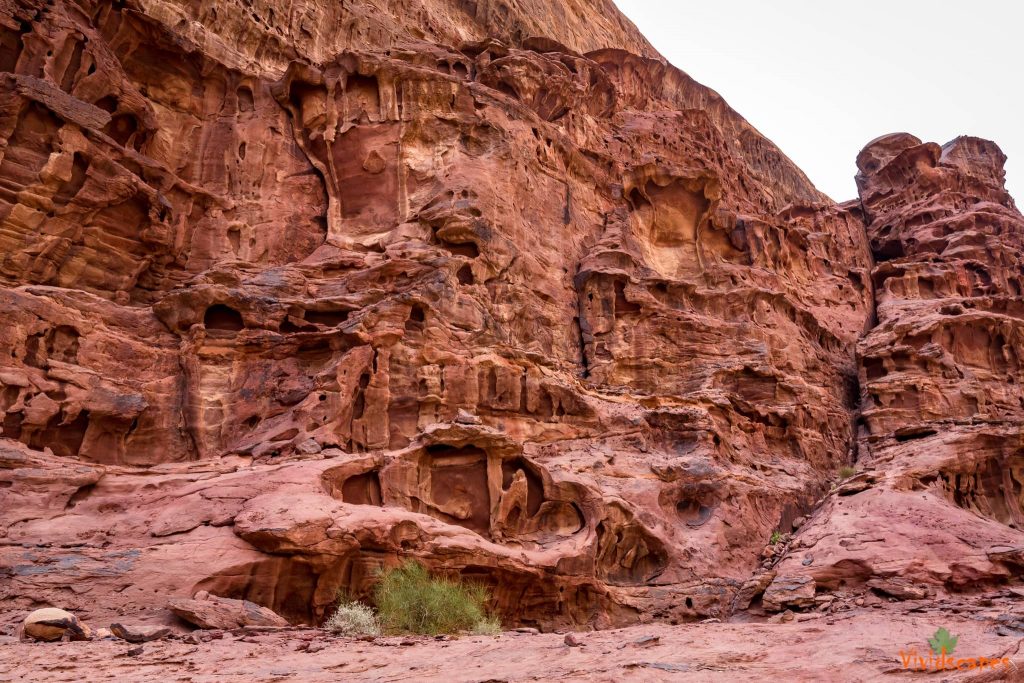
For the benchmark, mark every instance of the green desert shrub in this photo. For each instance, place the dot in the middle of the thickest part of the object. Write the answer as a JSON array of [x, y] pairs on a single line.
[[845, 472], [353, 619], [410, 600]]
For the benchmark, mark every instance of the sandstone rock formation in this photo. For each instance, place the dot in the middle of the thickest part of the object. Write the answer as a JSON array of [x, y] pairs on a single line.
[[295, 292], [937, 505]]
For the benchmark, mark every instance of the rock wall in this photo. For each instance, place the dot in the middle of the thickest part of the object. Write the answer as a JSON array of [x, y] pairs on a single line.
[[297, 291], [937, 506]]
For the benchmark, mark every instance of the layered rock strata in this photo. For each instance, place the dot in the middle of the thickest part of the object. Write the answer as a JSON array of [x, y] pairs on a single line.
[[937, 505], [292, 295]]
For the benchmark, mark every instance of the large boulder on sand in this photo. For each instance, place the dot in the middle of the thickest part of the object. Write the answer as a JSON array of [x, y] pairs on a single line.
[[51, 623]]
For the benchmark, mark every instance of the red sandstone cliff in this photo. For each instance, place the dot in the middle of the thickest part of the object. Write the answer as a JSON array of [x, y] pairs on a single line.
[[293, 291]]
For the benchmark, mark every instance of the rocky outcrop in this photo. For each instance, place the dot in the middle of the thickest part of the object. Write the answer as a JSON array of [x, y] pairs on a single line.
[[937, 506], [294, 295]]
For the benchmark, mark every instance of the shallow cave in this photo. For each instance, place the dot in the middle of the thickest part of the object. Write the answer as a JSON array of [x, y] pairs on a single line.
[[627, 554], [221, 317], [362, 489], [458, 486], [286, 585]]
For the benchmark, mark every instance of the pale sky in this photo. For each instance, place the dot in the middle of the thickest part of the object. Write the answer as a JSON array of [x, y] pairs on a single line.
[[823, 78]]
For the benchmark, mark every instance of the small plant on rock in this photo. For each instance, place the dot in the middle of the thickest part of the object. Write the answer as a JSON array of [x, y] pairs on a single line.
[[776, 537], [353, 619], [845, 472], [410, 600]]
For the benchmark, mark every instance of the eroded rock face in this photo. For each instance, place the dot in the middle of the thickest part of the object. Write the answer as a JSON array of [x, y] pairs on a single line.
[[938, 506], [287, 305]]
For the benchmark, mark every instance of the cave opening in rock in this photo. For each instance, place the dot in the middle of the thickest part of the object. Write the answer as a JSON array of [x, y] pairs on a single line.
[[535, 487], [362, 489], [246, 103], [286, 585], [222, 317], [122, 127], [61, 435], [108, 104], [467, 249], [359, 403], [416, 320]]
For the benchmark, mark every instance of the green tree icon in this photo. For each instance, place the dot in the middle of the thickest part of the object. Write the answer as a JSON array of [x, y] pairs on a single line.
[[942, 642]]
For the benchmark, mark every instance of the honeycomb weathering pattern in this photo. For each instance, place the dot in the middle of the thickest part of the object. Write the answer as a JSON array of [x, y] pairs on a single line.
[[294, 291]]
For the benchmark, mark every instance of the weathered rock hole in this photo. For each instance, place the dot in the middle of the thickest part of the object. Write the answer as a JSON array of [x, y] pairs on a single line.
[[888, 251], [62, 437], [362, 489], [693, 512], [458, 486], [359, 404], [874, 367], [246, 103], [627, 554], [80, 495], [221, 317], [914, 433], [506, 88], [416, 320], [107, 104], [467, 249], [122, 128], [12, 425], [535, 487], [623, 305]]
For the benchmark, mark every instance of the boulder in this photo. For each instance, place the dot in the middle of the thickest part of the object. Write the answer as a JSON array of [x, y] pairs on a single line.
[[51, 623], [223, 613], [139, 634]]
